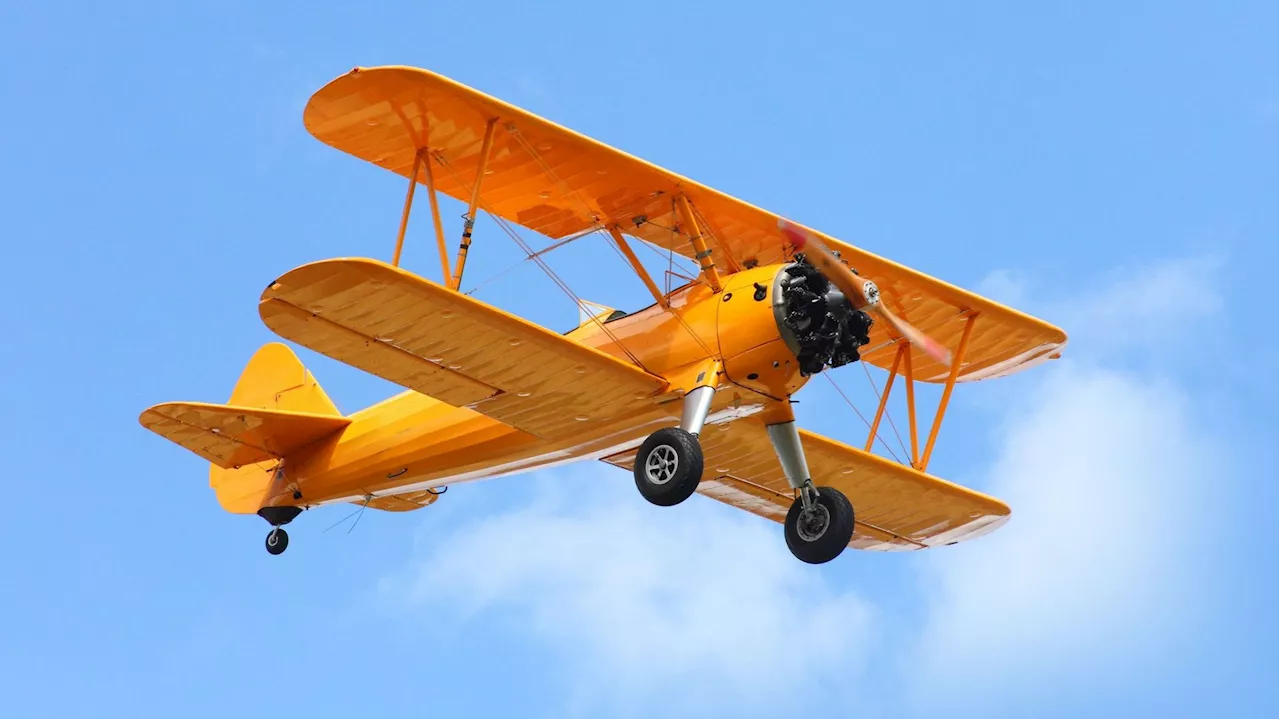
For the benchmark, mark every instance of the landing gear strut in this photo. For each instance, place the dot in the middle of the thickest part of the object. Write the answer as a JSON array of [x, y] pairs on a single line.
[[668, 466], [820, 523]]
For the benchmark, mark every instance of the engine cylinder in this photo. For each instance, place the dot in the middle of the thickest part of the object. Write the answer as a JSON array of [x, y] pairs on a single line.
[[817, 322]]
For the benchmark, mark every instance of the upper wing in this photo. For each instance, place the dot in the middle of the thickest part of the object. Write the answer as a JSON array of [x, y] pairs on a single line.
[[895, 507], [557, 182], [423, 336], [230, 436]]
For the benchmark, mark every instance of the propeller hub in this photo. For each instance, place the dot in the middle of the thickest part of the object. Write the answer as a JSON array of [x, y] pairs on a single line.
[[871, 292]]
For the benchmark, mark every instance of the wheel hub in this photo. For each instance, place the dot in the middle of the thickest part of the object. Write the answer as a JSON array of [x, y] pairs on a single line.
[[661, 465], [813, 523]]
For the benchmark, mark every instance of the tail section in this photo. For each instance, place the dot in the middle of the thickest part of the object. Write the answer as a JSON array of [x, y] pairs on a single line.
[[231, 436], [276, 408], [276, 379]]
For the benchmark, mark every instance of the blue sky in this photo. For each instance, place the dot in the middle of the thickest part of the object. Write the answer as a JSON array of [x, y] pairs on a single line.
[[1105, 165]]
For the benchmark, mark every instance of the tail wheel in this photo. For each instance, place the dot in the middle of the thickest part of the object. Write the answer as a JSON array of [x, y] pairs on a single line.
[[277, 540], [819, 535], [668, 466]]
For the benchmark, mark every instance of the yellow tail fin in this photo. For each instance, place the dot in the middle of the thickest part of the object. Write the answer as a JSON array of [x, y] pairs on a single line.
[[276, 379], [276, 408]]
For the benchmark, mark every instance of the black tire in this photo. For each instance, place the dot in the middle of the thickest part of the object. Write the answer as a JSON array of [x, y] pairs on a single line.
[[277, 541], [669, 484], [818, 546]]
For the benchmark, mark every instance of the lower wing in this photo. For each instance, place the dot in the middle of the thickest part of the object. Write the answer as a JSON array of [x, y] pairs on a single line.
[[896, 507]]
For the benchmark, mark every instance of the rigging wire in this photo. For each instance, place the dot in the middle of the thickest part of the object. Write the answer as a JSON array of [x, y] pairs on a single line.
[[359, 512], [546, 250], [515, 133], [887, 414], [864, 419], [532, 255], [677, 315]]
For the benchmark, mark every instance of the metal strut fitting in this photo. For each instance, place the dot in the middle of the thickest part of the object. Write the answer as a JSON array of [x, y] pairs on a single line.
[[785, 438], [697, 405]]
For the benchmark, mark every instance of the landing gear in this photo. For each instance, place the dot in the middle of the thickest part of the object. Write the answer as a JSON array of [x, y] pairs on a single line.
[[819, 525], [277, 540], [668, 466]]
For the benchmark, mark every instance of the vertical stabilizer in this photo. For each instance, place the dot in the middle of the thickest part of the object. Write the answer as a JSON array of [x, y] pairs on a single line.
[[276, 379]]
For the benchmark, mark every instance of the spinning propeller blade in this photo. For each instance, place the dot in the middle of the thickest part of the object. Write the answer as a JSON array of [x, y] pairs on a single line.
[[862, 292]]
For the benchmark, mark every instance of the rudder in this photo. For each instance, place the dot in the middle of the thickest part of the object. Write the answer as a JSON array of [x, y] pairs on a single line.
[[275, 378]]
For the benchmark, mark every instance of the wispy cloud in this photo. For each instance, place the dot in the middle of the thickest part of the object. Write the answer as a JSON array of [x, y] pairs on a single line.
[[1103, 471], [679, 610], [1153, 303]]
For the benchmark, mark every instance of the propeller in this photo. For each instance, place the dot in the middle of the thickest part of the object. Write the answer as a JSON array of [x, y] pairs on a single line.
[[862, 293]]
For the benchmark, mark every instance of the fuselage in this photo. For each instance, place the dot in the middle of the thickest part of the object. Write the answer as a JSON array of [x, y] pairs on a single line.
[[411, 442]]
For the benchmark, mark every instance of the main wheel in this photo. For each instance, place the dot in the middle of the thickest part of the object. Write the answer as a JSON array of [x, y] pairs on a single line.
[[821, 535], [668, 466], [277, 540]]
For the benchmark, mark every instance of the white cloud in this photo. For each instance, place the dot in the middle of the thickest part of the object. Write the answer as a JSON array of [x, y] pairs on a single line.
[[1106, 472], [1156, 302], [1102, 471], [1003, 286], [678, 610]]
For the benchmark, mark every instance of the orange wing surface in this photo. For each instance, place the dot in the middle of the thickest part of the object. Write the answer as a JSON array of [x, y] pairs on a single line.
[[895, 507], [428, 338], [557, 182], [230, 436]]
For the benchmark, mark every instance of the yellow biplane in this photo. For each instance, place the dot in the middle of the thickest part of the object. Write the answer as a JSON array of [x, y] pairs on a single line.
[[692, 393]]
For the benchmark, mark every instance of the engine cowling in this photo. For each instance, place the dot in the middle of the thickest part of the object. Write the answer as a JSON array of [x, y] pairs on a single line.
[[779, 325]]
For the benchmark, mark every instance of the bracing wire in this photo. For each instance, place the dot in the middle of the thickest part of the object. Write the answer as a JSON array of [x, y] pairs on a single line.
[[887, 414], [359, 512], [677, 315], [536, 257], [860, 416]]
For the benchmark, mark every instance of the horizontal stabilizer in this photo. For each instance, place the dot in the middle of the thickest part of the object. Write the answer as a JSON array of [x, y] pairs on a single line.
[[231, 436]]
